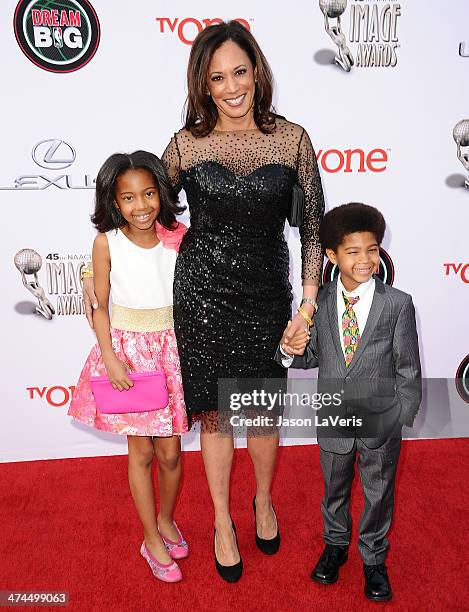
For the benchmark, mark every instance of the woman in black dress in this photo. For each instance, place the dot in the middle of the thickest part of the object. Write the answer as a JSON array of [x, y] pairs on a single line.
[[237, 162]]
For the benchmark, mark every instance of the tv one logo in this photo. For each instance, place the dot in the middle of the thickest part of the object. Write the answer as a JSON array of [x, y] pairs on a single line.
[[56, 396], [350, 160], [460, 270], [187, 28]]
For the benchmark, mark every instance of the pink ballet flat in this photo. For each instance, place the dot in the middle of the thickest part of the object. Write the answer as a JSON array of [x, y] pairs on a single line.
[[176, 550], [167, 572]]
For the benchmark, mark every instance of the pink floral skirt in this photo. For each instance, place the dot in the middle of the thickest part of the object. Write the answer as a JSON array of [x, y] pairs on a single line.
[[145, 351]]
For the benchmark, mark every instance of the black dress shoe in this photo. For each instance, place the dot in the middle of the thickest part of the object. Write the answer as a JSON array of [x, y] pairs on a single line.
[[326, 570], [230, 573], [268, 547], [377, 585]]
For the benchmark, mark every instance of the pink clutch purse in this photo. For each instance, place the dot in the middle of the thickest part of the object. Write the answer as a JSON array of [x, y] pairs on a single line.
[[148, 393]]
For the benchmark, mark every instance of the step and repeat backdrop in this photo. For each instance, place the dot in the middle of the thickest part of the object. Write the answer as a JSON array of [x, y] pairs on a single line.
[[381, 87]]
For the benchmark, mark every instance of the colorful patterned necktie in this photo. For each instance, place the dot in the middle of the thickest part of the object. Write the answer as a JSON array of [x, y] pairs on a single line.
[[350, 329]]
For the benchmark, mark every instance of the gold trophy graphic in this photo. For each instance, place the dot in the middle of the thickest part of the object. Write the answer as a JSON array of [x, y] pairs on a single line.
[[29, 263], [333, 9]]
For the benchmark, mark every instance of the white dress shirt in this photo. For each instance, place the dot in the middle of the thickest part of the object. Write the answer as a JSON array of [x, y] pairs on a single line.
[[365, 291]]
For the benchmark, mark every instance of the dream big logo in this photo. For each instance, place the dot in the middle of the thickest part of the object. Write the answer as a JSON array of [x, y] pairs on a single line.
[[462, 379], [58, 36], [372, 27], [385, 272]]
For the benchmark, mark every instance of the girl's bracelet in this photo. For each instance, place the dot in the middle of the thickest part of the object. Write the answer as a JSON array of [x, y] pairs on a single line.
[[86, 273]]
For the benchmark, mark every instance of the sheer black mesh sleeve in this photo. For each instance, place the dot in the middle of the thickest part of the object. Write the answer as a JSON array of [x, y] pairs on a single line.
[[171, 159], [310, 180]]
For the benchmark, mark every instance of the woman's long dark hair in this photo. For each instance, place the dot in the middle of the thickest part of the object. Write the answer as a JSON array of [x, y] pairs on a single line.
[[106, 214], [201, 112]]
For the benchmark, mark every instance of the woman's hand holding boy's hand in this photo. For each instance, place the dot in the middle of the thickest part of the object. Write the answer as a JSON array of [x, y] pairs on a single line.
[[295, 337], [117, 372]]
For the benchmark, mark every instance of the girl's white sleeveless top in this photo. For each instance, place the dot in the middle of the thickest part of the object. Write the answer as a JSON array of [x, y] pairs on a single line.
[[140, 278]]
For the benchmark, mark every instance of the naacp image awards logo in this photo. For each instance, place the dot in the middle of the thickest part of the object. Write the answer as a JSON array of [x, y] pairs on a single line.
[[365, 33], [62, 281], [461, 138], [58, 36]]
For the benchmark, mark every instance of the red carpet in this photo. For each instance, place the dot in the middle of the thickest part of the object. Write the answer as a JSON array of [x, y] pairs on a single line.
[[70, 525]]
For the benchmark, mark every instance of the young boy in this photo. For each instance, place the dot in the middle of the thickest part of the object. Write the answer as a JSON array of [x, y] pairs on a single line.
[[364, 340]]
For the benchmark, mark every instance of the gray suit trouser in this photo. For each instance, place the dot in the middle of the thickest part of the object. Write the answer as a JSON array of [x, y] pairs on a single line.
[[377, 469]]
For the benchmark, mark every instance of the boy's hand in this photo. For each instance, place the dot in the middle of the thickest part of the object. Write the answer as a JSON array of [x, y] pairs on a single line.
[[117, 372], [295, 337]]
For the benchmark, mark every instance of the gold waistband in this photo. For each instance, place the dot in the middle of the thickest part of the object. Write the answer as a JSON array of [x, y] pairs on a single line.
[[145, 320]]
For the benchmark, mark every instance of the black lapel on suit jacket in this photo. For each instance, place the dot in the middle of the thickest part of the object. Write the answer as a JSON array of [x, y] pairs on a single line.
[[376, 309], [333, 322]]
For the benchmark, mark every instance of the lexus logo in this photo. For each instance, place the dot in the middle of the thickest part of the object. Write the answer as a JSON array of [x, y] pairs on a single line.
[[53, 154]]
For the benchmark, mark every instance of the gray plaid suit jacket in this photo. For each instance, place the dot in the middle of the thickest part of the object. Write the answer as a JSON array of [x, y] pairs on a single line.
[[383, 381]]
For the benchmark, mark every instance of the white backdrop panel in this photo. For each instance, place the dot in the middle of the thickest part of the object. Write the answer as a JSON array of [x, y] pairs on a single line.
[[130, 96]]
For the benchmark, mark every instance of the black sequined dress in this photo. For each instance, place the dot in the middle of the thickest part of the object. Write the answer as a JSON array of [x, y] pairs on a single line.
[[232, 295]]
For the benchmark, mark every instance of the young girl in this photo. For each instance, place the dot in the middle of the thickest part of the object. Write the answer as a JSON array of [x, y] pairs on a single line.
[[133, 258]]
